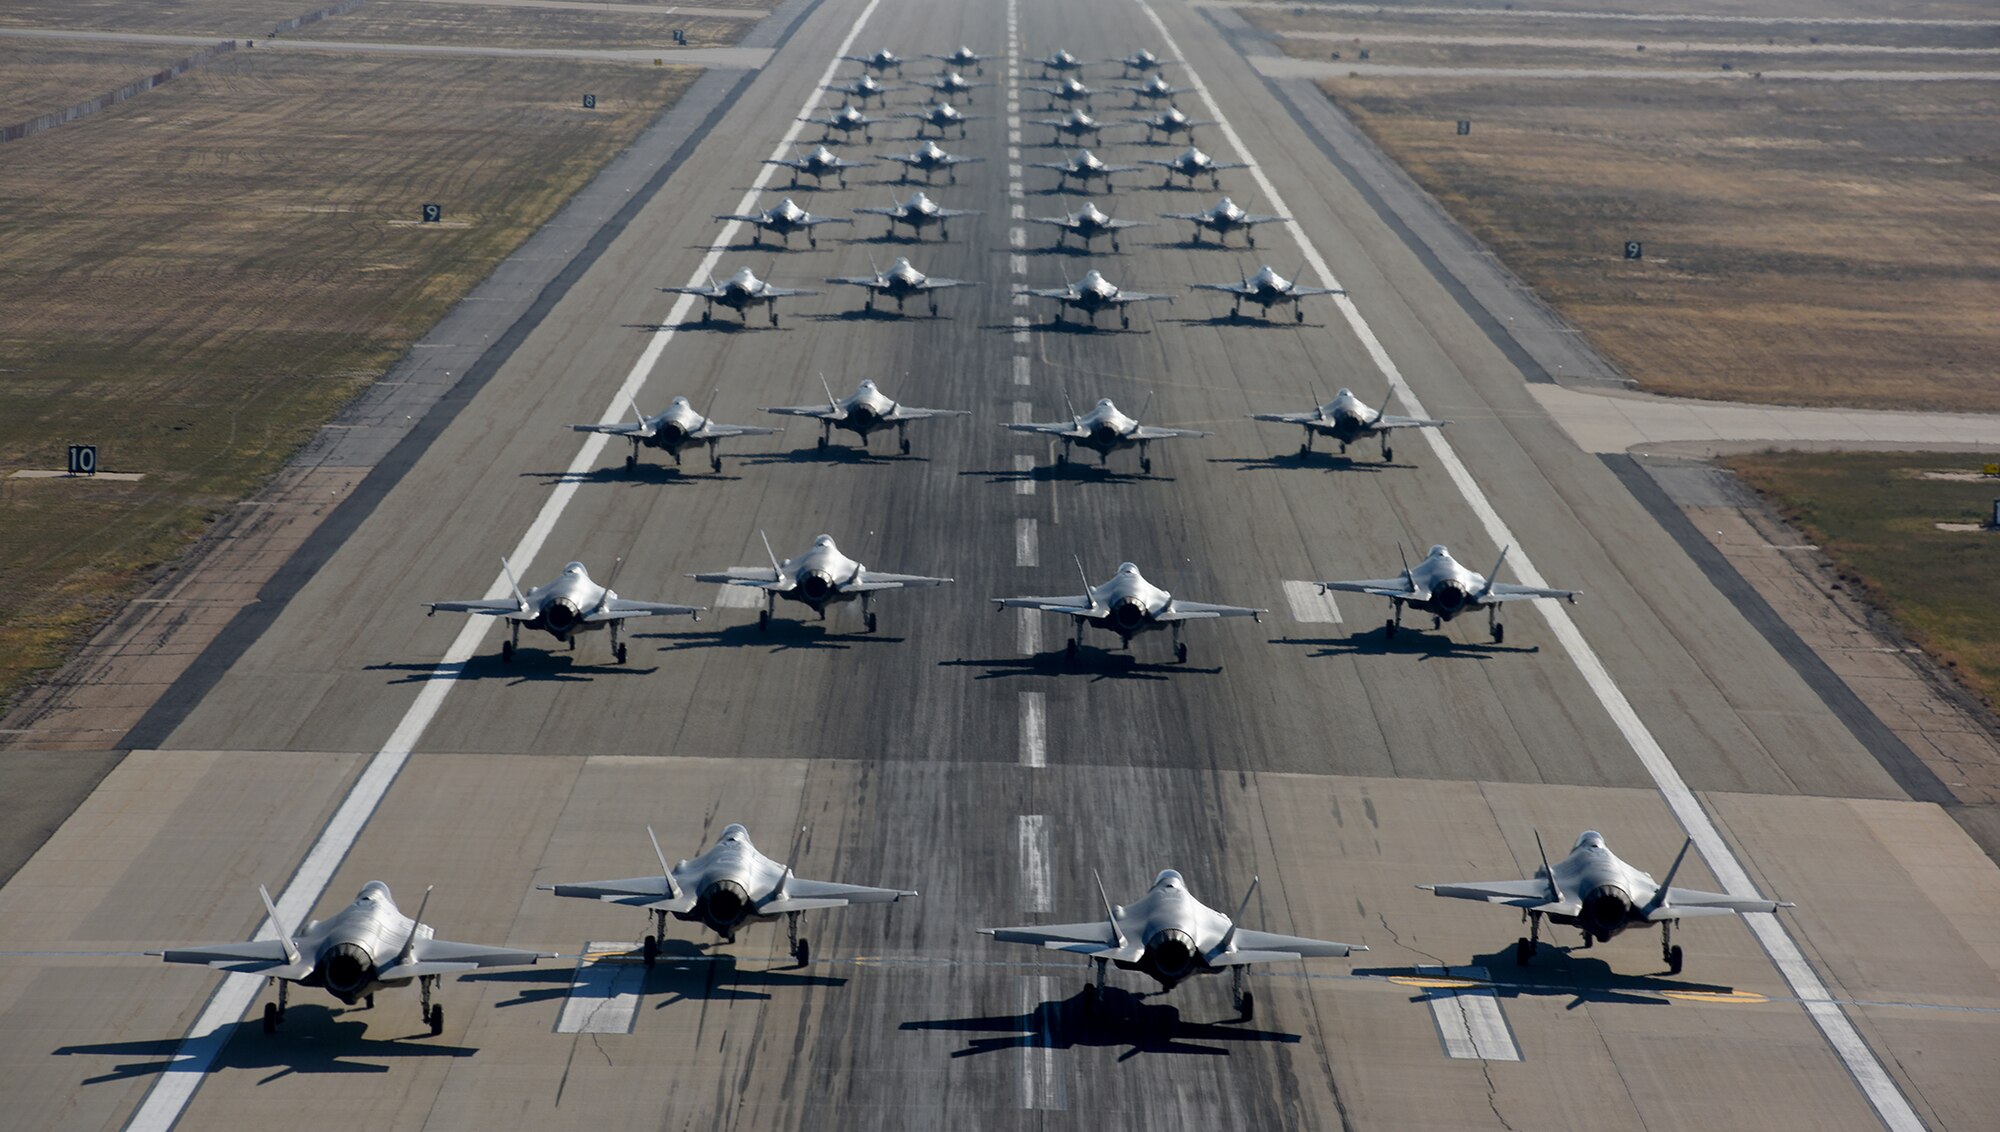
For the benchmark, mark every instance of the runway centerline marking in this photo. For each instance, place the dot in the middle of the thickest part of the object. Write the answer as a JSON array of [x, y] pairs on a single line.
[[1017, 212], [604, 992], [1874, 1081], [738, 597], [1024, 467], [1469, 1022], [1018, 264], [175, 1086], [1020, 370], [1025, 550], [1310, 605], [1041, 1084], [1033, 837], [1029, 632]]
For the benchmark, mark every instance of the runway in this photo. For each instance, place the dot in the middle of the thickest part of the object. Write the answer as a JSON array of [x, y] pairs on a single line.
[[958, 753]]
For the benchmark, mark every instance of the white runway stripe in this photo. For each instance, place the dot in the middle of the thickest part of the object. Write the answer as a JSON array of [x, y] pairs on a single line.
[[737, 597], [1034, 729], [1041, 1079], [1024, 465], [1309, 605], [1026, 552], [604, 994], [1032, 833], [1469, 1021], [1030, 632]]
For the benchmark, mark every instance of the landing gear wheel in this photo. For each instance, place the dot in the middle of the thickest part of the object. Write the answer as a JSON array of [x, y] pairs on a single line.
[[1388, 454], [1524, 952], [631, 464], [1298, 314], [871, 622], [1070, 652], [649, 951], [802, 954], [1248, 1008], [437, 1020], [1674, 958], [621, 652], [905, 446], [822, 444], [1146, 465], [1389, 628], [1062, 458], [1499, 633], [1091, 999], [270, 1017], [1124, 322], [1180, 652], [933, 310], [507, 652], [715, 465], [706, 316], [764, 621]]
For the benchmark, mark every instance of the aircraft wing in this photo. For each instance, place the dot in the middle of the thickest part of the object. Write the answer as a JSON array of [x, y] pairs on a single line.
[[1287, 418], [1265, 947], [1058, 166], [621, 609], [957, 159], [1388, 422], [872, 282], [871, 580], [827, 894], [442, 956], [616, 428], [1683, 903], [1096, 934], [1049, 428], [711, 430], [770, 292], [816, 221], [787, 162], [498, 607], [933, 283], [1535, 892], [1123, 297], [1380, 587], [1215, 166], [762, 577], [1502, 591], [895, 210], [635, 892], [1225, 288], [1298, 291], [744, 217], [1202, 611], [1116, 225], [823, 412], [955, 213], [254, 957], [912, 413], [1157, 432], [1078, 606], [705, 292]]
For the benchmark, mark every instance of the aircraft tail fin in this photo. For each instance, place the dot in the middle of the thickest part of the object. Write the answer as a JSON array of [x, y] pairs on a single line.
[[1117, 933], [1229, 937], [1143, 406], [666, 870], [1554, 888], [831, 401], [416, 926], [1494, 577], [1667, 884], [769, 553], [508, 570], [277, 925], [1084, 575], [713, 395]]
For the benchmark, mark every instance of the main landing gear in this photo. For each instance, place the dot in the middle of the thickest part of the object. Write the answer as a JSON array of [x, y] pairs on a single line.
[[1669, 950], [801, 948], [1524, 949], [867, 615], [1395, 621], [1243, 1000], [649, 951], [274, 1012], [512, 644], [433, 1014], [1093, 992], [1180, 646], [902, 436], [1493, 624]]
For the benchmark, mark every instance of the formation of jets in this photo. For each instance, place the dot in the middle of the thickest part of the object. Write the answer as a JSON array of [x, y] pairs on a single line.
[[1165, 934]]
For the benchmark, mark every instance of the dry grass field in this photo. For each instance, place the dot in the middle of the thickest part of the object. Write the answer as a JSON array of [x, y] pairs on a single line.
[[223, 19], [1876, 516], [199, 278], [42, 76], [1809, 243], [406, 21]]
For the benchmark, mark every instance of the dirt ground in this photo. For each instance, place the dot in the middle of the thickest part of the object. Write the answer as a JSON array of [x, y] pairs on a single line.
[[197, 279], [223, 19], [406, 21], [39, 77]]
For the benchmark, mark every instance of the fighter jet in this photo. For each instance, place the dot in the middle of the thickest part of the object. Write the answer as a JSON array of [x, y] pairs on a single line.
[[1154, 89], [1068, 91], [1073, 126], [901, 282], [1169, 123], [724, 889], [739, 293], [863, 87], [864, 413], [1128, 605], [928, 159], [1058, 61], [919, 212], [962, 58], [1142, 60], [819, 164], [882, 61], [1444, 589], [1171, 936], [943, 115], [1085, 167], [951, 83], [784, 219], [677, 429], [820, 577], [1104, 430], [1223, 219], [1088, 223], [1191, 163], [1347, 420], [352, 954], [1091, 294], [1267, 289], [847, 119], [1593, 890], [570, 605]]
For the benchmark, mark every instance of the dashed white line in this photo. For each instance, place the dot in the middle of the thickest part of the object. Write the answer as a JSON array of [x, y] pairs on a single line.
[[1024, 468], [1017, 211], [1025, 550], [1041, 1083], [1014, 138], [604, 992], [1020, 324], [1017, 237], [1023, 412], [1310, 605], [1014, 189], [1874, 1081], [1032, 835], [1018, 264], [738, 597], [1020, 370], [1029, 633]]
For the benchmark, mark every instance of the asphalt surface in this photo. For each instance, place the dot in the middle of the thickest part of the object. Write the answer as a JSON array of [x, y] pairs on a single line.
[[1338, 766]]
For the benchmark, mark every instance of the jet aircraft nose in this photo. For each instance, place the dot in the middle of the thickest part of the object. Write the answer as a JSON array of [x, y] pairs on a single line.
[[680, 402], [1128, 568], [1438, 551], [1171, 878], [1588, 839], [825, 541], [575, 569], [374, 890], [735, 833]]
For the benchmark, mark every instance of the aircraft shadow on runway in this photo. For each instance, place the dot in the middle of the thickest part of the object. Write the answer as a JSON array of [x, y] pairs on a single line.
[[1248, 320], [1071, 326], [1564, 972], [1073, 251], [1318, 458], [833, 454], [530, 665], [1408, 641], [724, 321], [1076, 471], [686, 972], [1122, 1019], [655, 475], [883, 313], [783, 635], [898, 238], [1092, 663], [334, 1043]]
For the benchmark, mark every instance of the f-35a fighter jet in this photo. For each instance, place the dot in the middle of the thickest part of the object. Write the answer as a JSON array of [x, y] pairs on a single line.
[[847, 120], [863, 87], [783, 219], [724, 889], [1223, 219], [927, 159], [1444, 589], [1347, 419], [1142, 60], [919, 212], [1267, 289], [1191, 163], [352, 954], [1593, 890], [820, 577], [1171, 936], [962, 58], [1085, 167], [1087, 223], [1128, 605], [819, 164], [1094, 293], [1067, 91], [1058, 61], [881, 62], [674, 431], [1104, 430], [864, 413], [1169, 123], [1077, 125], [1154, 89], [570, 605], [951, 83], [739, 293], [943, 115], [902, 282]]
